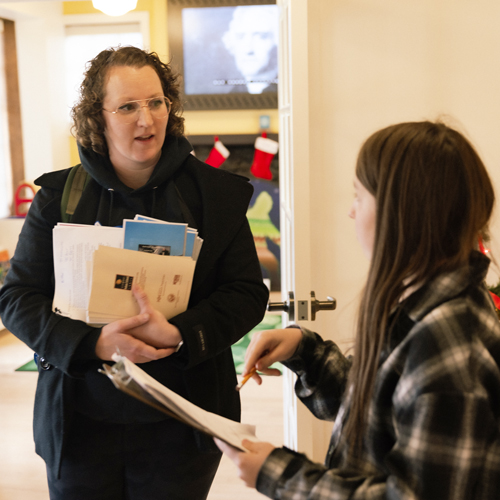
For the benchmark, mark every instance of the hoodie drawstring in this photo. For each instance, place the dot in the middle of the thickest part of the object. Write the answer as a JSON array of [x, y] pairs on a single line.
[[154, 202], [111, 200]]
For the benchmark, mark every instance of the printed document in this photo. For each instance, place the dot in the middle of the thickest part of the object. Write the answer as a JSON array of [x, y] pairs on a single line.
[[166, 280]]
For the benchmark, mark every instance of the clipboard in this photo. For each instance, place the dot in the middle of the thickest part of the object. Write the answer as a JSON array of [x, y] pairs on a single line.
[[132, 380]]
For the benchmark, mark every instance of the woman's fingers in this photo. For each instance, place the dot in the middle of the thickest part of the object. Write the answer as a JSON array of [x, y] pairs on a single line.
[[269, 346], [259, 349], [249, 463], [274, 372], [124, 325], [229, 450], [113, 339], [139, 352], [261, 353], [141, 298]]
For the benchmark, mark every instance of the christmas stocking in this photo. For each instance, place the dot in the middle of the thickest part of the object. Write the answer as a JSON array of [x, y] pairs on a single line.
[[265, 149], [218, 154]]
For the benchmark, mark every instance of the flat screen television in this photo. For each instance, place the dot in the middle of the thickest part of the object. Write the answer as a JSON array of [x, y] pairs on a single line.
[[226, 52]]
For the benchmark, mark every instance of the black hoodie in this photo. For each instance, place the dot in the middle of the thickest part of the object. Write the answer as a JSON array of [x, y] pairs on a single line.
[[228, 296]]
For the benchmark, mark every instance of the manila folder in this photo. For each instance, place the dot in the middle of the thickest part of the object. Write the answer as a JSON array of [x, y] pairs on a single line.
[[166, 280]]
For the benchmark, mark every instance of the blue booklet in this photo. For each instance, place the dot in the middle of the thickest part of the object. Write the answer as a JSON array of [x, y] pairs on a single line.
[[193, 241], [161, 238], [190, 239]]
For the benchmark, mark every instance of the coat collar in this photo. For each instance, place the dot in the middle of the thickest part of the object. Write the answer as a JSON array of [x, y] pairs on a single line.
[[446, 286]]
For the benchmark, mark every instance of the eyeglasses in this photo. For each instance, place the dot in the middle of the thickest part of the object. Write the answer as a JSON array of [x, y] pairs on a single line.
[[128, 112]]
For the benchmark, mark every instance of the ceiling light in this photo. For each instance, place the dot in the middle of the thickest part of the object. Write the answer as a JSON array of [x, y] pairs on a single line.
[[114, 7]]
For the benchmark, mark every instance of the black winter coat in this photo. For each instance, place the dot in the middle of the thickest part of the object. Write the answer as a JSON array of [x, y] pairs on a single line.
[[228, 296]]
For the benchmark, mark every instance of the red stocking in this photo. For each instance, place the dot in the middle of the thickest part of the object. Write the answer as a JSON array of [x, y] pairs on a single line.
[[265, 149]]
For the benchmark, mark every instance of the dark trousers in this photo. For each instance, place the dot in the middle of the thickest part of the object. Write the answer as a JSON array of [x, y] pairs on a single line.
[[151, 461]]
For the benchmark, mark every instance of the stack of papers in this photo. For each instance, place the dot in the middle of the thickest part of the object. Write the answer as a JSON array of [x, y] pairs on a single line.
[[130, 379], [96, 266]]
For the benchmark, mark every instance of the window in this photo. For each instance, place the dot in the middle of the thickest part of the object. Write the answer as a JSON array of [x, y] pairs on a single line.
[[87, 35]]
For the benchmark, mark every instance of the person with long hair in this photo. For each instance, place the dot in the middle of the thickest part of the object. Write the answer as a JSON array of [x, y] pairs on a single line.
[[97, 442], [417, 406]]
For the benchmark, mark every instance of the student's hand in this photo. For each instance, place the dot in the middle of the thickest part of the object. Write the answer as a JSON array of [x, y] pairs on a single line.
[[157, 331], [268, 347], [115, 337], [248, 463]]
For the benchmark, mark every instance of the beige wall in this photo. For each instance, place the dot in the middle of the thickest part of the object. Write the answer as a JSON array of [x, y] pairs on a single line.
[[374, 63]]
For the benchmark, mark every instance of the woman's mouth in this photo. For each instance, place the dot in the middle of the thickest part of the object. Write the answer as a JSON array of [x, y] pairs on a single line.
[[144, 138]]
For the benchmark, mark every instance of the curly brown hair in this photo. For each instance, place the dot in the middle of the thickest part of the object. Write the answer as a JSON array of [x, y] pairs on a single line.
[[88, 121]]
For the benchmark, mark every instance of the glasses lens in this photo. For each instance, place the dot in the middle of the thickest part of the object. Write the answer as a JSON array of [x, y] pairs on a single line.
[[128, 108], [159, 107]]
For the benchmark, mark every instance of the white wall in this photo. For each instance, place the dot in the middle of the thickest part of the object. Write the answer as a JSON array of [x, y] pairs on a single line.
[[378, 62], [39, 40]]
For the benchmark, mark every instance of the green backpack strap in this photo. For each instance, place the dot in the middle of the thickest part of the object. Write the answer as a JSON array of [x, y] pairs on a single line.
[[76, 182]]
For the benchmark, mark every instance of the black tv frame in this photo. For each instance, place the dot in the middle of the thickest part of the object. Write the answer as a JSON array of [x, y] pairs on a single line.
[[265, 100]]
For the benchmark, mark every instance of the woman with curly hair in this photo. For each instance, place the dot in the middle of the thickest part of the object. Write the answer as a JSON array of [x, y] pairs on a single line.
[[417, 406], [97, 442]]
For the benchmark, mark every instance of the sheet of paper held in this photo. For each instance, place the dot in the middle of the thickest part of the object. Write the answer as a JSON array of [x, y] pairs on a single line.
[[131, 379]]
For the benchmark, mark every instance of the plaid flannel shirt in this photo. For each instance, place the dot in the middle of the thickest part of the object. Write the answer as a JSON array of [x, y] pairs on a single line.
[[433, 425]]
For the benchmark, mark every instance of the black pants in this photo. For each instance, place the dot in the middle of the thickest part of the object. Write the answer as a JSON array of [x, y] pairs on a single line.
[[155, 461]]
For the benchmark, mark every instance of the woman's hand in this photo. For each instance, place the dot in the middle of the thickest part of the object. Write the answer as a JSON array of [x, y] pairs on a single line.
[[268, 347], [142, 338], [248, 463], [115, 337], [157, 331]]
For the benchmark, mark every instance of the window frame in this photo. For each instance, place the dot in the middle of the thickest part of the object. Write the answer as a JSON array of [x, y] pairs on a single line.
[[140, 17], [13, 108]]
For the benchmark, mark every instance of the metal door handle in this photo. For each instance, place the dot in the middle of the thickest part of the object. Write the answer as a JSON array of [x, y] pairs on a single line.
[[329, 305], [288, 307]]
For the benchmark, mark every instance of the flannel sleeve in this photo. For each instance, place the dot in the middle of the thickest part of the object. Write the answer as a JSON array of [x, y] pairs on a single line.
[[322, 372], [422, 466], [432, 431], [288, 475]]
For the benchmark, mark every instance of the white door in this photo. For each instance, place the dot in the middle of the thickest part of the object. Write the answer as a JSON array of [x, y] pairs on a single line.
[[302, 431]]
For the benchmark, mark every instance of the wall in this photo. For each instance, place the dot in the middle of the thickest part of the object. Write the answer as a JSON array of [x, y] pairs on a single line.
[[374, 63], [39, 33]]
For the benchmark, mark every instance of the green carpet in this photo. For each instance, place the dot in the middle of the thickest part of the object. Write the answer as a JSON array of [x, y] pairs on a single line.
[[269, 322], [30, 366]]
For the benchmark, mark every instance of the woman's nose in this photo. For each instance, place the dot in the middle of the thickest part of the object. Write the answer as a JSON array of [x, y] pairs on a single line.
[[351, 213], [144, 119]]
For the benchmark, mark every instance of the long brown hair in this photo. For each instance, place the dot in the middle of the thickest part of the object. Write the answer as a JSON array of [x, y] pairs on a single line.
[[88, 122], [433, 199]]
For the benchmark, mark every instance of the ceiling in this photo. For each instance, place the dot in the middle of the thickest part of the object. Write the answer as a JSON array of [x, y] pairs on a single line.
[[21, 1]]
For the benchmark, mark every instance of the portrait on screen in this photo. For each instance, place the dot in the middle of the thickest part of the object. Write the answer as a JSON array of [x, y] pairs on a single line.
[[230, 49]]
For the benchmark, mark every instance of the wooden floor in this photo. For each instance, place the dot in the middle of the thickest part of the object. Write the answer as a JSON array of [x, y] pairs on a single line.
[[22, 472]]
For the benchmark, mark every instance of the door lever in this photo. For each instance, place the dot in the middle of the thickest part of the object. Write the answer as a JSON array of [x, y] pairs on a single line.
[[329, 305], [288, 307]]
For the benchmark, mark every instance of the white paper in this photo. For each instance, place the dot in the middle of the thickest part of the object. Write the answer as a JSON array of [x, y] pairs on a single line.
[[73, 247], [228, 430]]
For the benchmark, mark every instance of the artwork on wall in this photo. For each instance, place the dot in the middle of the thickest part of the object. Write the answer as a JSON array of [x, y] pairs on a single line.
[[263, 216], [227, 52], [264, 210]]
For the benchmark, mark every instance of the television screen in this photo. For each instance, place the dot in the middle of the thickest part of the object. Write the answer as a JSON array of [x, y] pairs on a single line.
[[227, 55]]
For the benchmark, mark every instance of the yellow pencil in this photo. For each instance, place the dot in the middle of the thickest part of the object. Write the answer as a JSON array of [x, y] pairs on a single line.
[[246, 378]]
